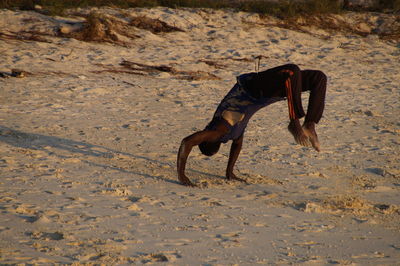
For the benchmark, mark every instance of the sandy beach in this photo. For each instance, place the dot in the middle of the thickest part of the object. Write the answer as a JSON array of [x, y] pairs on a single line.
[[89, 133]]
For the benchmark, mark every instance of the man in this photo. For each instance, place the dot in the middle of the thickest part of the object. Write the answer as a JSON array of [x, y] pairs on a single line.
[[252, 92]]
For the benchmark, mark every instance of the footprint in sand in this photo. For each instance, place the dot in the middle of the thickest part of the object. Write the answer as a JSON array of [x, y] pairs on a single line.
[[134, 207], [165, 256], [119, 192], [25, 209], [364, 182], [115, 189], [210, 202], [37, 235], [228, 240]]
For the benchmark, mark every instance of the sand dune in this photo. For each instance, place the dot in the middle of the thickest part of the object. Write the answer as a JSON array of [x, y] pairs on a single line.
[[89, 133]]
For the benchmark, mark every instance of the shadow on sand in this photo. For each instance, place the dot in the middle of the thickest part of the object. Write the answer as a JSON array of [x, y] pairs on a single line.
[[50, 145]]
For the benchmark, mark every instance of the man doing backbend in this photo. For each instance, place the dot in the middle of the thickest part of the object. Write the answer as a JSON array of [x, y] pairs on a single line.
[[252, 92]]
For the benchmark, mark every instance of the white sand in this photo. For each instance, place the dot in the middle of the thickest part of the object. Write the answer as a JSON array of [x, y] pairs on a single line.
[[87, 155]]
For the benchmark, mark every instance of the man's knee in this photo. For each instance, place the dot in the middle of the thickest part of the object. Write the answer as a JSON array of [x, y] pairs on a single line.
[[292, 67], [321, 77], [314, 80]]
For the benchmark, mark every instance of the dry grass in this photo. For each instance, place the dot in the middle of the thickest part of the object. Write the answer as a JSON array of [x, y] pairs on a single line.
[[213, 63], [332, 24], [180, 74], [153, 25], [328, 23], [147, 68], [133, 68], [24, 36], [100, 27], [103, 28]]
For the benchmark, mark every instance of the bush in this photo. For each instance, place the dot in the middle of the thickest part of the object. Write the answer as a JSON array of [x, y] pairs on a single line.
[[393, 5], [282, 8], [21, 4], [290, 8]]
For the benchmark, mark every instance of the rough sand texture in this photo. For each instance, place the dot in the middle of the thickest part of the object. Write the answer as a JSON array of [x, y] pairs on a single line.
[[88, 147]]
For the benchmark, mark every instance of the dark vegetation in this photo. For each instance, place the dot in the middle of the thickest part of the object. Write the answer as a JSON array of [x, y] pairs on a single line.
[[281, 9]]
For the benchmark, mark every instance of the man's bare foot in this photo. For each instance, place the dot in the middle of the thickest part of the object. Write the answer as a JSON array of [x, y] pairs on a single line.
[[309, 130], [232, 176], [298, 133], [185, 181]]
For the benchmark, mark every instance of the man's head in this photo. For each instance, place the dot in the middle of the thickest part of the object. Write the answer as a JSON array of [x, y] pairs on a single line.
[[209, 148]]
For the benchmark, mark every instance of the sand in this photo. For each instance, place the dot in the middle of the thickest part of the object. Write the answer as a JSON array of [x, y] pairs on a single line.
[[88, 145]]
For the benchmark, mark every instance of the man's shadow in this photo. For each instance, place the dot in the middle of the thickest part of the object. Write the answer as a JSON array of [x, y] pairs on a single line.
[[41, 142]]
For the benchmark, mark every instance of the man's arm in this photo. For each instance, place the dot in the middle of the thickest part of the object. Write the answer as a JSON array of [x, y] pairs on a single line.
[[236, 147], [193, 140]]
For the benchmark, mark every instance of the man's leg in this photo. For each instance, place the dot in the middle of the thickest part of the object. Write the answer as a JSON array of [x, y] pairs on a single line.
[[314, 81], [293, 87]]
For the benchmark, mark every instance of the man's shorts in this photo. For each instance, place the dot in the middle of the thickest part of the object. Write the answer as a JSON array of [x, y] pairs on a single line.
[[236, 109]]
